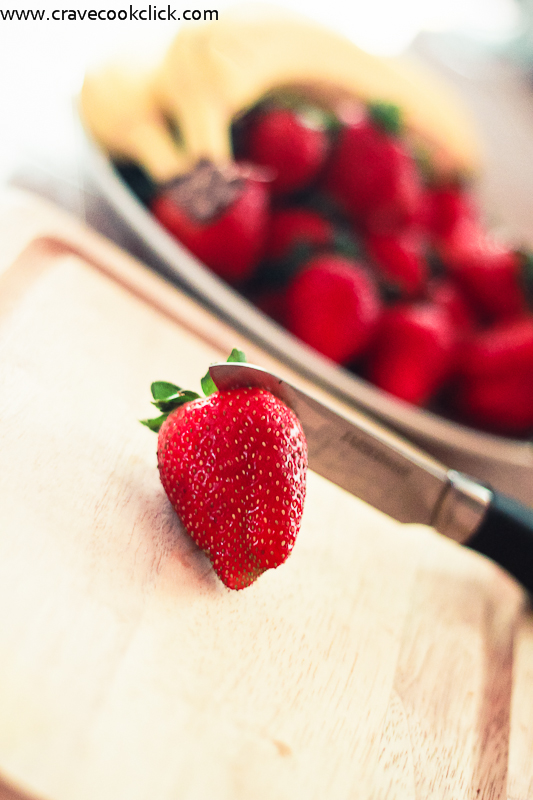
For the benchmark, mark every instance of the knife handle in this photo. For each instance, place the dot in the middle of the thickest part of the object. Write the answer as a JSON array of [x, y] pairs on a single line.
[[506, 536]]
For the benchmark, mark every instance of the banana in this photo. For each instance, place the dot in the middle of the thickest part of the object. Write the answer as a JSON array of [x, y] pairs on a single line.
[[213, 72], [118, 105]]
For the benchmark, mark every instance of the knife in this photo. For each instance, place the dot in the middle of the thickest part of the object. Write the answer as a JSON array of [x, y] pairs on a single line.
[[371, 462]]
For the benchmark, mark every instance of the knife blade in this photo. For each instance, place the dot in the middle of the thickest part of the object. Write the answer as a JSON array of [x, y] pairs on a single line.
[[385, 470]]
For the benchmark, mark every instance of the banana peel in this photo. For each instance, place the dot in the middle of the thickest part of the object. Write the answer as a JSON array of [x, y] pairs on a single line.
[[214, 72]]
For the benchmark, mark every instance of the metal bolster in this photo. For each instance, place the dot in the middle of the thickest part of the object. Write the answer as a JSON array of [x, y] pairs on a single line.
[[462, 507]]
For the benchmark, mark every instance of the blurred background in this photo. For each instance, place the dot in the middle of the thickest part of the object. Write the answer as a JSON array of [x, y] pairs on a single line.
[[482, 47]]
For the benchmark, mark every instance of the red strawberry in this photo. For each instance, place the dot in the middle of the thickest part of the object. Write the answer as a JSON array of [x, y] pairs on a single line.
[[221, 218], [373, 177], [445, 293], [413, 352], [291, 144], [233, 465], [491, 274], [333, 305], [445, 209], [400, 259], [296, 226], [502, 349], [501, 403]]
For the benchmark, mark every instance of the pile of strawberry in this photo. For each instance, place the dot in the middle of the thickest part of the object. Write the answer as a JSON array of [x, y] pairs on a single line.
[[338, 229]]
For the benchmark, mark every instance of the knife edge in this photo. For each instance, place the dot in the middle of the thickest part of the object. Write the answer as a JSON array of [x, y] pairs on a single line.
[[385, 470], [355, 452]]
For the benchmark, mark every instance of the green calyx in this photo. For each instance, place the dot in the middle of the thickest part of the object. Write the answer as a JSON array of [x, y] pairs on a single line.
[[168, 396], [386, 116]]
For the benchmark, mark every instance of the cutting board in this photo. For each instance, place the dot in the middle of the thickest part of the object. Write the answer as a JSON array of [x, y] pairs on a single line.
[[380, 662]]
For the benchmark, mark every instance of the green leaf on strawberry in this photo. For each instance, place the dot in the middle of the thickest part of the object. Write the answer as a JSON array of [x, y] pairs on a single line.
[[386, 116], [161, 390], [155, 423], [207, 383], [168, 405], [169, 396]]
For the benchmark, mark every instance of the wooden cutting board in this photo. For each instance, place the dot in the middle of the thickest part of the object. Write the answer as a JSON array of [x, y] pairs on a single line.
[[380, 662]]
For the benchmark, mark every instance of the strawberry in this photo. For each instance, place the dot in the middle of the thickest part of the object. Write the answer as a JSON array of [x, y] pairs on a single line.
[[221, 217], [413, 351], [494, 276], [333, 305], [295, 235], [293, 144], [373, 177], [400, 258], [500, 403], [233, 464], [501, 349], [445, 208], [446, 293], [293, 227]]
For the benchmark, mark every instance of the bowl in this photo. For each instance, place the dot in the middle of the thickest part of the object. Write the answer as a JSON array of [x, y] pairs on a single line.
[[504, 463]]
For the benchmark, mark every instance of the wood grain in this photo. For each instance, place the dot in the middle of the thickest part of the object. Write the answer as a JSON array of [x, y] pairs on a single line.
[[376, 663], [521, 741]]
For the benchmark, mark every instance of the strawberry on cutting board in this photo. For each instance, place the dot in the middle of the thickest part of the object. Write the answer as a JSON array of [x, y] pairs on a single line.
[[233, 465]]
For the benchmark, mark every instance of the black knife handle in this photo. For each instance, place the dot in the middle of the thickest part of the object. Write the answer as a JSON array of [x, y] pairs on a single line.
[[506, 536]]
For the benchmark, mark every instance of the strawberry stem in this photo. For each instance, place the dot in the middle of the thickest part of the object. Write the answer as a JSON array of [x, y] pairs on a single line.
[[155, 423], [161, 390], [169, 396], [386, 116]]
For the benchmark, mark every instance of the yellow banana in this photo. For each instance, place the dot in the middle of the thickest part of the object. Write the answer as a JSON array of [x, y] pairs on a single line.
[[118, 105], [215, 71]]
